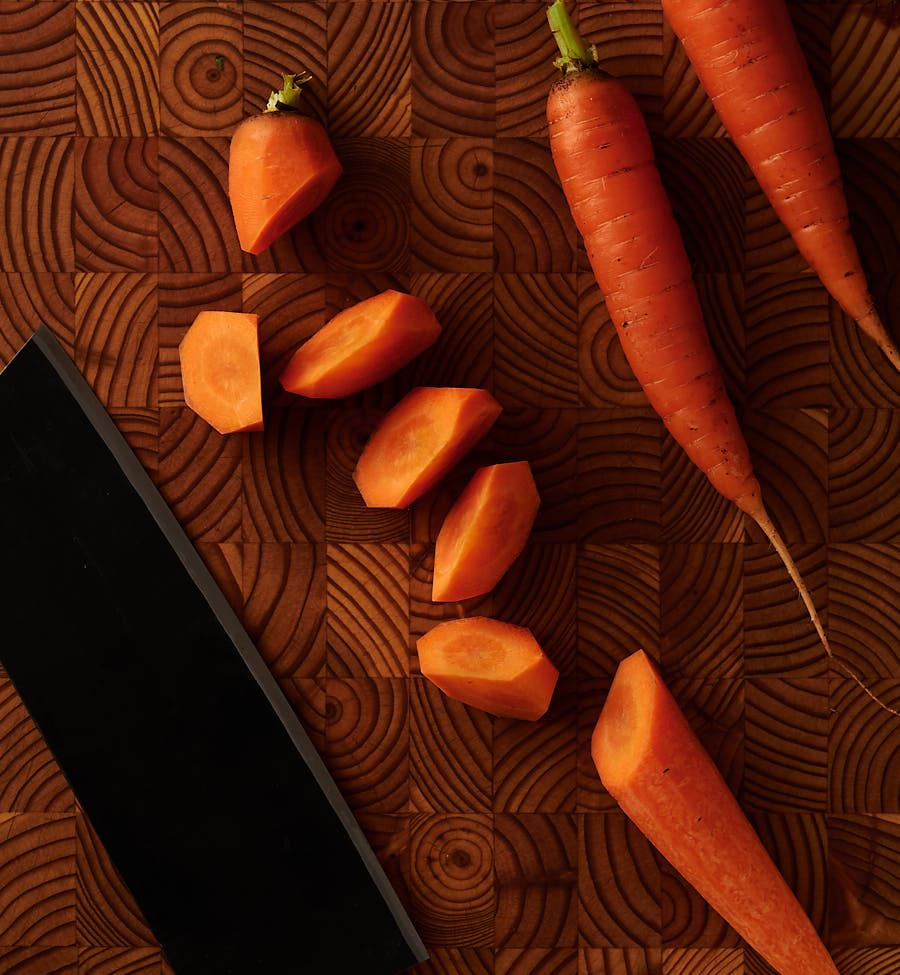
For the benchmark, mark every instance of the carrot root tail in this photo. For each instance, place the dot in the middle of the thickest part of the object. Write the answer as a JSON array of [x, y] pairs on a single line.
[[767, 525], [872, 325]]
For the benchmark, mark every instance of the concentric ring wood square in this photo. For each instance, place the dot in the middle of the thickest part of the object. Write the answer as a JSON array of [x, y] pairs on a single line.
[[28, 300]]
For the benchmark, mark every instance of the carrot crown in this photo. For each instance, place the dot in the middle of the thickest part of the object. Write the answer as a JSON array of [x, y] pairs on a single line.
[[289, 98], [575, 55]]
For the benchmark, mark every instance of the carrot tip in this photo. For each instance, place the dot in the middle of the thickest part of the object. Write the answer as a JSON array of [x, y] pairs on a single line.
[[873, 326]]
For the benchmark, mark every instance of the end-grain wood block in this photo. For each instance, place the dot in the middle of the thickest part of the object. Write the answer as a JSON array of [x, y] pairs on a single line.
[[40, 960], [28, 300], [536, 961]]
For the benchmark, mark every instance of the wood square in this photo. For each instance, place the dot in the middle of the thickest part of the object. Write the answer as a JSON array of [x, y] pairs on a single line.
[[284, 477], [27, 300], [140, 428], [535, 762], [364, 224], [37, 862], [533, 228], [860, 374], [450, 752], [456, 961], [524, 69], [196, 228], [199, 475], [786, 749], [863, 589], [116, 203], [198, 97], [619, 475], [535, 864], [706, 181], [619, 961], [789, 448], [865, 75], [368, 609], [628, 35], [181, 299], [116, 342], [538, 592], [536, 340], [779, 638], [788, 322], [619, 884], [367, 741], [863, 748], [39, 961], [703, 961], [308, 697], [863, 466], [701, 609], [36, 221], [291, 308], [536, 961], [590, 794], [604, 376], [284, 605], [107, 914], [866, 961], [39, 47], [452, 183], [453, 58], [347, 519], [119, 961], [30, 779], [117, 47], [452, 896], [226, 563], [280, 37], [368, 51]]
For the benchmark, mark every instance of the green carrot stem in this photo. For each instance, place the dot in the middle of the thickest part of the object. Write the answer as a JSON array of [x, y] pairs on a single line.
[[290, 97], [575, 54]]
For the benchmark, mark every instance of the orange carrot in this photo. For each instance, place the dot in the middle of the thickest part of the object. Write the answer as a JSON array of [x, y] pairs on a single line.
[[484, 531], [426, 434], [220, 370], [748, 59], [650, 760], [602, 152], [281, 166], [361, 346], [491, 665]]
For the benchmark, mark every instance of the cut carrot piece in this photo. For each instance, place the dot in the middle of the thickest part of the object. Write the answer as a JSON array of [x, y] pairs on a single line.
[[653, 764], [484, 532], [361, 346], [220, 370], [491, 665], [426, 434]]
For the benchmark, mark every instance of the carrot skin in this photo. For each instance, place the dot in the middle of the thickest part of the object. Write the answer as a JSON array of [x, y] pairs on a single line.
[[652, 763]]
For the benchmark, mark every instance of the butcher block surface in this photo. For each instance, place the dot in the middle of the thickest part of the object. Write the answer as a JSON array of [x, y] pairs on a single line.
[[115, 230]]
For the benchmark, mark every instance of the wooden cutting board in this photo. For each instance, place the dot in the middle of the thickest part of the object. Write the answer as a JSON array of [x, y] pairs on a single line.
[[115, 229]]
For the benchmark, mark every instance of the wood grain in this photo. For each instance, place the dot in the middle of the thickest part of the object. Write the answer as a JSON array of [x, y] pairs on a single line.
[[703, 961], [457, 961], [686, 109], [535, 860], [590, 795], [620, 961], [39, 961], [28, 300], [116, 204], [866, 961], [453, 69], [536, 961], [117, 48], [119, 961], [37, 80]]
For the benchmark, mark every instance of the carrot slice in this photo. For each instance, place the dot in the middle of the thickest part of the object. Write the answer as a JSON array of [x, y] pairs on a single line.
[[220, 370], [361, 346], [653, 764], [484, 532], [491, 665], [426, 434]]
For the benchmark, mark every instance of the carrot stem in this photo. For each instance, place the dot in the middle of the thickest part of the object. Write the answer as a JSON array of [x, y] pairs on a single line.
[[575, 54], [290, 97]]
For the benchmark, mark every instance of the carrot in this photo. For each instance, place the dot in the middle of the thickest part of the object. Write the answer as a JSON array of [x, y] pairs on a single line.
[[281, 166], [220, 370], [748, 59], [361, 346], [494, 666], [484, 532], [426, 434], [650, 760], [602, 152]]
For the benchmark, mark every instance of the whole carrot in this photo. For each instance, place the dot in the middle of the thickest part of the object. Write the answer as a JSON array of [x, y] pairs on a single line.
[[748, 59], [602, 152]]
